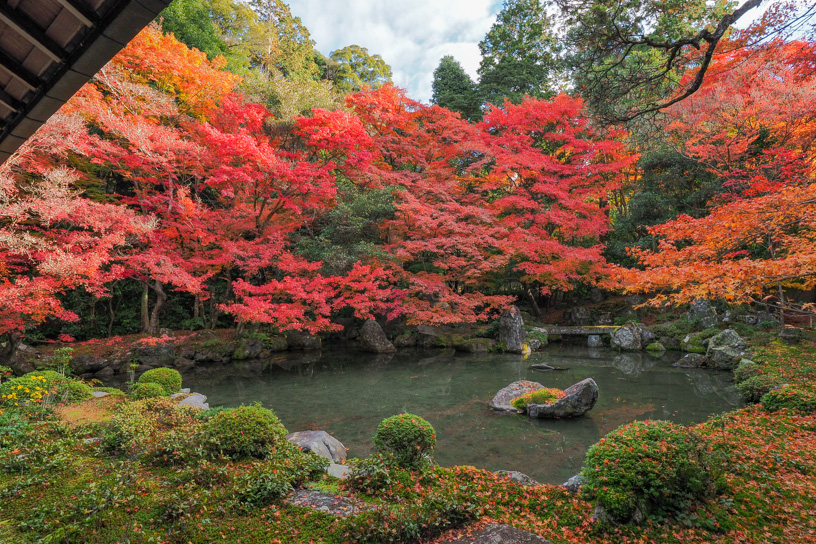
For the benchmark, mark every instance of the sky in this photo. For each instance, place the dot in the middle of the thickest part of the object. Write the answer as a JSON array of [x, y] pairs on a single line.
[[410, 35]]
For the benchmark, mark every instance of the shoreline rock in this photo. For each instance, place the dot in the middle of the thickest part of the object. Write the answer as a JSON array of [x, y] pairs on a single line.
[[501, 400], [578, 400]]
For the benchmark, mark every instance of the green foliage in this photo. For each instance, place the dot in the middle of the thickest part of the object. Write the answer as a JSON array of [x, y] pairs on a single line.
[[655, 467], [792, 397], [204, 415], [350, 231], [147, 390], [453, 89], [754, 387], [376, 474], [246, 431], [176, 447], [545, 395], [408, 438], [43, 388], [519, 54], [136, 425], [286, 468], [168, 378], [746, 369], [438, 512], [355, 68]]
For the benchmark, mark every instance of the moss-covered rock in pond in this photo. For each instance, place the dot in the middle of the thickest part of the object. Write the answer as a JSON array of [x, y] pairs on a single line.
[[725, 349], [656, 347], [697, 342]]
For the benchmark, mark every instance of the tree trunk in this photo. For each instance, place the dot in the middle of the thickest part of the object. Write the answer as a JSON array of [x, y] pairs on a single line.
[[112, 317], [145, 302], [533, 302], [153, 327]]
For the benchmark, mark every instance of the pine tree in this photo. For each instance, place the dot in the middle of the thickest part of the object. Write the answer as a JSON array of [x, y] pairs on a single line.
[[453, 89], [518, 54]]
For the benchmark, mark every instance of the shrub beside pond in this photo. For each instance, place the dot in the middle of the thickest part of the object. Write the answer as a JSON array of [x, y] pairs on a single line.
[[246, 431], [648, 468], [168, 378], [792, 397], [147, 390], [408, 438]]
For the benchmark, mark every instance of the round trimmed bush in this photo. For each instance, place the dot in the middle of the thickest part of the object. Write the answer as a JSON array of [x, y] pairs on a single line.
[[789, 397], [754, 387], [168, 378], [654, 467], [746, 369], [246, 431], [408, 438], [545, 395], [147, 390]]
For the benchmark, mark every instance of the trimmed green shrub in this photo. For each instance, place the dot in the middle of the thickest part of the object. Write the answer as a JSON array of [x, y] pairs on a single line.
[[654, 467], [204, 415], [168, 378], [754, 387], [408, 438], [746, 369], [545, 395], [246, 431], [147, 390], [70, 391], [789, 397], [375, 475]]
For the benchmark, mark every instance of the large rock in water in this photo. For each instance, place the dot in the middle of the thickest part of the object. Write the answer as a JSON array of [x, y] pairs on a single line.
[[579, 399], [628, 338], [511, 330], [373, 339], [725, 350], [501, 402], [321, 443]]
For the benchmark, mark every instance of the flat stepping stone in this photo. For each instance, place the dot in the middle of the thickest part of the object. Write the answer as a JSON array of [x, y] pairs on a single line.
[[100, 394], [336, 505], [338, 471], [500, 534]]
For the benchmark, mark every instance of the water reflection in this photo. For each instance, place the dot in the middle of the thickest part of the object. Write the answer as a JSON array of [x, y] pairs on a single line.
[[348, 393]]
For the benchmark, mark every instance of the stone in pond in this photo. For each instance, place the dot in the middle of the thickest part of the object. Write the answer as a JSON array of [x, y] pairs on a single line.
[[628, 338], [511, 330], [594, 341], [691, 360], [499, 534], [501, 402], [320, 443], [578, 400], [373, 339], [725, 350]]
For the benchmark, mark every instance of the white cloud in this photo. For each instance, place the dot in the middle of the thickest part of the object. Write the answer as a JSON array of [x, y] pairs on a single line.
[[411, 35]]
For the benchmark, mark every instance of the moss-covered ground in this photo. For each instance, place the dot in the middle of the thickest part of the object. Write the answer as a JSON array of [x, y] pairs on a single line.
[[55, 487]]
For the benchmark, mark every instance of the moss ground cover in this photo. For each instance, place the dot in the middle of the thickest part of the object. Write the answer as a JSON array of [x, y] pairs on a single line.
[[155, 480]]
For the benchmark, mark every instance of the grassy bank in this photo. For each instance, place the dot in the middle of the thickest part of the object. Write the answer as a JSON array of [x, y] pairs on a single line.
[[171, 479]]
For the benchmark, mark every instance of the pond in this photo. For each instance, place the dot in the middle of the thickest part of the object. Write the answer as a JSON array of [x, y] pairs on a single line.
[[347, 393]]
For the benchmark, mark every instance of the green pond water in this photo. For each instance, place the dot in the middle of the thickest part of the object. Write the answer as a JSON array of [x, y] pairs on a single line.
[[348, 393]]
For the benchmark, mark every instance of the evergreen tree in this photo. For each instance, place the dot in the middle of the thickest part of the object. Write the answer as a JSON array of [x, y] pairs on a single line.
[[356, 68], [453, 89], [518, 54]]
